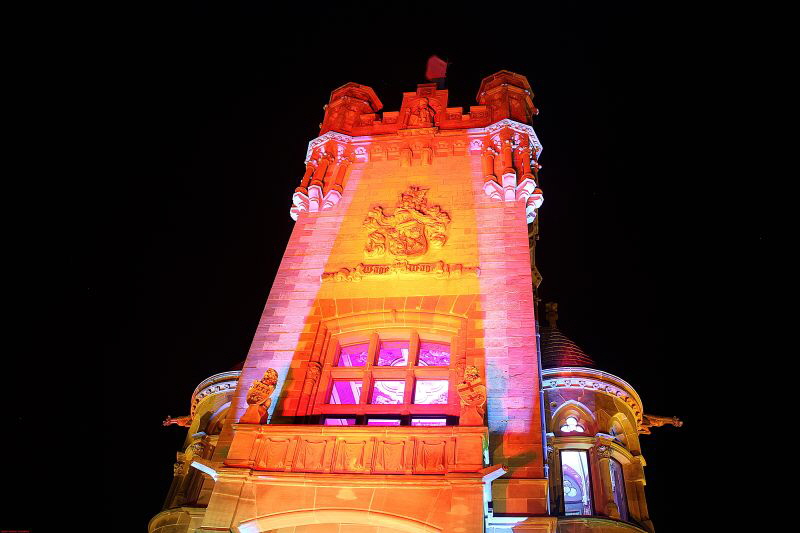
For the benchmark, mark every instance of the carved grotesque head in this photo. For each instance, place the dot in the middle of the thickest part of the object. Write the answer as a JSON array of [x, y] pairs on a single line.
[[270, 377], [471, 373]]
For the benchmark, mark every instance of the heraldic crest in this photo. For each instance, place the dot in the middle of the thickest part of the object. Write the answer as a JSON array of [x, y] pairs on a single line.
[[410, 230]]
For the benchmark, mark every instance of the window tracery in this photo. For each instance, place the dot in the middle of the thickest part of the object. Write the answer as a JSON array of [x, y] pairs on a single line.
[[392, 378]]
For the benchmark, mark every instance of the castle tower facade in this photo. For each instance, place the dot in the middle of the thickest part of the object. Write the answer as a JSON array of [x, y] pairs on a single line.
[[394, 380]]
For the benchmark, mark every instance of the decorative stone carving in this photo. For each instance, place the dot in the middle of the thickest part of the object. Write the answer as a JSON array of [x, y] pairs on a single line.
[[408, 232], [273, 456], [327, 160], [433, 456], [596, 381], [196, 448], [473, 398], [390, 456], [421, 114], [259, 398], [403, 270], [183, 421], [313, 371], [652, 421], [222, 383], [352, 456], [363, 450], [603, 452], [311, 456]]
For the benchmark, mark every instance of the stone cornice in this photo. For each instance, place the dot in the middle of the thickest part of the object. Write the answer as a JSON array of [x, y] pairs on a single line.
[[594, 380], [518, 127], [216, 384], [322, 139]]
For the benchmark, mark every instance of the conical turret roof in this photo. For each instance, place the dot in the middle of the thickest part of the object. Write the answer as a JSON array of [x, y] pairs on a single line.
[[557, 349]]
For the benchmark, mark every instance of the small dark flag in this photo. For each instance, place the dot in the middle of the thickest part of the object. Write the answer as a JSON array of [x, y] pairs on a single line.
[[436, 71]]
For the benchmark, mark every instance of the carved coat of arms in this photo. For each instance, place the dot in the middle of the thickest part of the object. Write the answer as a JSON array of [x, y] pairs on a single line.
[[410, 230]]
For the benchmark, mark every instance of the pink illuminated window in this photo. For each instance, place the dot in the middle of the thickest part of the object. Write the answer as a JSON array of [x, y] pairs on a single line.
[[431, 391], [429, 422], [400, 370], [388, 392], [383, 422], [355, 355], [571, 425], [618, 488], [345, 392], [340, 421], [393, 353], [434, 354], [576, 483]]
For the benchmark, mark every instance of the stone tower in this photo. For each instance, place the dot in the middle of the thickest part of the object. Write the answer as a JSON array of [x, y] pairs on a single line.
[[394, 380]]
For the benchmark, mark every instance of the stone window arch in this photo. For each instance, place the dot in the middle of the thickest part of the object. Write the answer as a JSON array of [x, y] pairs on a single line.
[[400, 371], [573, 418]]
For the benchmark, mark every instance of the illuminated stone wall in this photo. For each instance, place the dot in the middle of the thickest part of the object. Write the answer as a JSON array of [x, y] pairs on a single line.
[[411, 220]]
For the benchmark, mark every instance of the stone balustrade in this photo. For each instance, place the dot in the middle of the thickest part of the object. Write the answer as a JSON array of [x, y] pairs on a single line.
[[358, 449]]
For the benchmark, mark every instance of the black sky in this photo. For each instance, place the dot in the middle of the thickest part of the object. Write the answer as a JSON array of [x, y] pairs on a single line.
[[212, 115]]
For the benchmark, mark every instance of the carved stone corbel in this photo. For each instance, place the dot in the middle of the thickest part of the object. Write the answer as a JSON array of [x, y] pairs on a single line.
[[513, 184], [653, 421]]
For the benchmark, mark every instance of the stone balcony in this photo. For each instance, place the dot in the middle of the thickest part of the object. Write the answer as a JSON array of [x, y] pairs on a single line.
[[358, 449]]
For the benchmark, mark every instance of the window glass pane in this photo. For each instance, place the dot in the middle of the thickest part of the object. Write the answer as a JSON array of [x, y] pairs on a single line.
[[431, 391], [345, 392], [575, 481], [388, 391], [434, 354], [383, 422], [340, 421], [393, 353], [355, 355], [428, 421], [618, 488]]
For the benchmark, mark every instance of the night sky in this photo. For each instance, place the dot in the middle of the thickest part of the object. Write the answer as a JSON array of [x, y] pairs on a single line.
[[214, 116]]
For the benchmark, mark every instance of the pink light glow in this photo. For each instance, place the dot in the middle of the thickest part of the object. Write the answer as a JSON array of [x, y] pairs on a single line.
[[429, 422], [383, 422], [345, 392], [431, 391], [388, 392], [393, 353], [434, 354], [355, 355]]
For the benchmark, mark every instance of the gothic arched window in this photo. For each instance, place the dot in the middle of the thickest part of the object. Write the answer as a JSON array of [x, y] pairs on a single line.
[[576, 482]]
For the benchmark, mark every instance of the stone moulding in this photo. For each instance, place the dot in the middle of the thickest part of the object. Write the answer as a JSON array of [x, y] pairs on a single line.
[[402, 270], [358, 450], [216, 384], [497, 145], [322, 139], [594, 380]]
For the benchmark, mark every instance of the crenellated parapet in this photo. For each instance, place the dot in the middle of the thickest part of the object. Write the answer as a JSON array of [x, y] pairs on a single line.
[[423, 130]]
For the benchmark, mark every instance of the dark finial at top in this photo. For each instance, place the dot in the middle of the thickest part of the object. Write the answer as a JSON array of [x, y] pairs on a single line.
[[551, 309]]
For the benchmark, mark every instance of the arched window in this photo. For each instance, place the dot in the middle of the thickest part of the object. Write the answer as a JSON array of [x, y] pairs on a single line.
[[572, 418], [389, 381], [576, 482], [571, 425], [618, 488]]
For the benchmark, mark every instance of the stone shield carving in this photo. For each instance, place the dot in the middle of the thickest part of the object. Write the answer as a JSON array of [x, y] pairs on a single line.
[[414, 227]]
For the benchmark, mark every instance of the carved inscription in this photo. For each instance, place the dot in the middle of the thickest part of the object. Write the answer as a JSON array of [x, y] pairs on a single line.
[[403, 270]]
